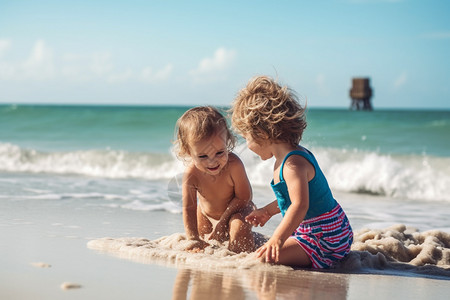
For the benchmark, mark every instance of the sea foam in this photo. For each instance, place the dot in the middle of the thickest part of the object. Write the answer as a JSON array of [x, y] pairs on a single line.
[[97, 163], [418, 177], [396, 248]]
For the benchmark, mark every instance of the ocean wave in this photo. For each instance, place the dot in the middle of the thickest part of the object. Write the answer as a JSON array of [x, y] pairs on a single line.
[[97, 163], [419, 177]]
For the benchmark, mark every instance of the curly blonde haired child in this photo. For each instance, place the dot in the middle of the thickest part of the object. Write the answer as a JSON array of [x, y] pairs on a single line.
[[314, 231], [216, 192]]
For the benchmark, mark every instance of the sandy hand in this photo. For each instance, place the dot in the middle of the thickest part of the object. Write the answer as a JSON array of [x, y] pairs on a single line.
[[220, 232], [197, 246], [258, 217], [270, 251]]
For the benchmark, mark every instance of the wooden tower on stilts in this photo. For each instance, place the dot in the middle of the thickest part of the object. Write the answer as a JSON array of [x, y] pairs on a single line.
[[360, 93]]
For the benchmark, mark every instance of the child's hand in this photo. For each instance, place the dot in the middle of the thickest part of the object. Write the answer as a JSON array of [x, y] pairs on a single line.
[[270, 251], [197, 246], [258, 217], [220, 232]]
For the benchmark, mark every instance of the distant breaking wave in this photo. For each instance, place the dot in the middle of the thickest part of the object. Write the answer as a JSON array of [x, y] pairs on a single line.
[[418, 177], [97, 163]]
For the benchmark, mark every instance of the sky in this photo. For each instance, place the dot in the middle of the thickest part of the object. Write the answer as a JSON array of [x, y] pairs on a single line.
[[202, 52]]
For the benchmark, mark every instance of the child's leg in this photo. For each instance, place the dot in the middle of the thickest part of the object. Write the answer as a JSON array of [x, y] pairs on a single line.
[[204, 226], [241, 237], [292, 254]]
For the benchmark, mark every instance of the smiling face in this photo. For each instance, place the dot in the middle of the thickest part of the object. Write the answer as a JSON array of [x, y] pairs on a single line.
[[210, 155]]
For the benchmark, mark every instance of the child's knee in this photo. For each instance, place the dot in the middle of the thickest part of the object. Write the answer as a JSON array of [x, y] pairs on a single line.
[[239, 228], [237, 221]]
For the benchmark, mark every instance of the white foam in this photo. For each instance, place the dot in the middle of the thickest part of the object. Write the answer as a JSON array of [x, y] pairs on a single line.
[[99, 163], [400, 249], [410, 177], [165, 206], [170, 250], [418, 177], [395, 248]]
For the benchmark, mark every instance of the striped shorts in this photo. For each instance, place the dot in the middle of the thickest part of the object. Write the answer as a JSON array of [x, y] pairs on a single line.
[[326, 238]]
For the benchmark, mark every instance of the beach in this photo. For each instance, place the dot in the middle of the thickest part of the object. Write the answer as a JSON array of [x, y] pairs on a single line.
[[90, 208], [57, 235]]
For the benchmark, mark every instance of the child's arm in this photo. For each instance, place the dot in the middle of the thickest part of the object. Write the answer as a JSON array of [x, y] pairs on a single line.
[[260, 216], [296, 175], [242, 196], [189, 195]]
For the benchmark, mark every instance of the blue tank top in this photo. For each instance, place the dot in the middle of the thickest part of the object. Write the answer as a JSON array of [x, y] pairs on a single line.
[[320, 198]]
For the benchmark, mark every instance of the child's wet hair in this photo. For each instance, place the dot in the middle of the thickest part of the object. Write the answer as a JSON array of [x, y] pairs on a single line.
[[267, 111], [200, 123]]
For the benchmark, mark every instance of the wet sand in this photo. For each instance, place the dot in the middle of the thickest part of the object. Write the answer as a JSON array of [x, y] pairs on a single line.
[[45, 250]]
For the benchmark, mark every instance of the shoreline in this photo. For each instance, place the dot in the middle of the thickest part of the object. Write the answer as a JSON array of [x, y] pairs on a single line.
[[56, 233], [102, 275]]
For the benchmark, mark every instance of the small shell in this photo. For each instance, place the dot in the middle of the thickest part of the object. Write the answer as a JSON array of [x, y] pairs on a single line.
[[41, 265], [70, 285]]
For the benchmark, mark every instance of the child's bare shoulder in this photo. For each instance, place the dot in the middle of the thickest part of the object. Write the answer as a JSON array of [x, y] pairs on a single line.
[[235, 166], [190, 175], [234, 161]]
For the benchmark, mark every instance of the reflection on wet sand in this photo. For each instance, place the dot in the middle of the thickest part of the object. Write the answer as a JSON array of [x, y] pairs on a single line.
[[299, 284], [206, 285], [254, 284]]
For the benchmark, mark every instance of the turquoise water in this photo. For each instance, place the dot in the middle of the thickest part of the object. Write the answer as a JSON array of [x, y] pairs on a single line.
[[63, 128], [396, 153], [388, 131], [150, 129]]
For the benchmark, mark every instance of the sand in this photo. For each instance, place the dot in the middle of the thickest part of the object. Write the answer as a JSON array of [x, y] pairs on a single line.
[[44, 251], [396, 248]]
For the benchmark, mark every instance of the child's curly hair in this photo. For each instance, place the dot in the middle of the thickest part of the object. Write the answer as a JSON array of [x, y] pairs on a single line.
[[266, 110], [199, 123]]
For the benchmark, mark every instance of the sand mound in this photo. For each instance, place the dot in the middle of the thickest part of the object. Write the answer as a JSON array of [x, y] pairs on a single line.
[[399, 248], [403, 244], [395, 248], [170, 250]]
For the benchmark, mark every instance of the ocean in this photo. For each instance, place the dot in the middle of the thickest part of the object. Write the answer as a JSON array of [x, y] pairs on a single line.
[[86, 172], [400, 154]]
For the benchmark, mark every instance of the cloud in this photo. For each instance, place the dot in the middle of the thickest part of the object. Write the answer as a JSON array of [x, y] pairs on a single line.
[[7, 70], [120, 77], [41, 64], [320, 79], [101, 64], [211, 67], [321, 84], [4, 46], [148, 75], [401, 80]]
